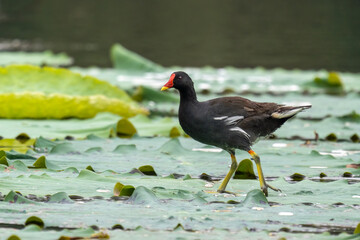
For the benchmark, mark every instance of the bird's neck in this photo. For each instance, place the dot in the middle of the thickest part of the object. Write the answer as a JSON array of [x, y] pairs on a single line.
[[188, 95]]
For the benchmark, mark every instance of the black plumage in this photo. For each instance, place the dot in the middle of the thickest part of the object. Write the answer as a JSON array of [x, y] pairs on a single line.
[[229, 122]]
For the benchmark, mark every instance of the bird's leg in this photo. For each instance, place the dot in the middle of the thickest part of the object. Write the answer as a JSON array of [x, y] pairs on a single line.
[[263, 184], [229, 175]]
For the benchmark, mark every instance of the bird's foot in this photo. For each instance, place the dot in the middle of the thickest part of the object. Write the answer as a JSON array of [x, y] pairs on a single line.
[[274, 188], [265, 189], [227, 192]]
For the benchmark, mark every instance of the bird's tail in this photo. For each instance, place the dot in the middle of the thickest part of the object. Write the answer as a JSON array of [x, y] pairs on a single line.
[[288, 111]]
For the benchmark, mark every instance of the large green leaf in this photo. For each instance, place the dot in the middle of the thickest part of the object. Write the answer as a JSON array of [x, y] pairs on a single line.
[[33, 92]]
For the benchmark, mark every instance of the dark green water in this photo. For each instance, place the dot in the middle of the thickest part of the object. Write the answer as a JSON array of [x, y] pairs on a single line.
[[288, 34]]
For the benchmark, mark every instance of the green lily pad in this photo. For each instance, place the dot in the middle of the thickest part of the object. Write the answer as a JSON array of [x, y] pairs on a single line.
[[255, 198], [13, 197], [127, 60], [245, 170], [147, 170], [144, 93], [59, 93], [123, 190], [4, 161], [142, 195], [125, 129], [60, 197], [34, 220], [35, 58]]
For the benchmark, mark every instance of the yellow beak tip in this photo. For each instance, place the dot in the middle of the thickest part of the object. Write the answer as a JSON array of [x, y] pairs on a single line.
[[164, 88]]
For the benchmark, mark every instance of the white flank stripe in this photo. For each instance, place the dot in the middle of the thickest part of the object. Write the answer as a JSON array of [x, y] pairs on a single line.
[[233, 120], [237, 129], [220, 118]]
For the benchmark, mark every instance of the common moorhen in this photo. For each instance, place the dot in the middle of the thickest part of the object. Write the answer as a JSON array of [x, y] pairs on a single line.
[[229, 122]]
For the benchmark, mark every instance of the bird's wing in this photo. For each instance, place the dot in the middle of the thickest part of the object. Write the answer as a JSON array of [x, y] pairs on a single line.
[[233, 110]]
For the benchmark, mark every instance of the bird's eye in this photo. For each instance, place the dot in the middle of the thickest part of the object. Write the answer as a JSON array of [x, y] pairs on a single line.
[[180, 77]]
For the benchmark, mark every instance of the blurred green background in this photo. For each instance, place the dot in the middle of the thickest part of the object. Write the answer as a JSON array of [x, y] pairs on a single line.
[[288, 34]]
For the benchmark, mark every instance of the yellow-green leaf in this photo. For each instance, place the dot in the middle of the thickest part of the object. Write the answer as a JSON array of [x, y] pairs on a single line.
[[33, 92]]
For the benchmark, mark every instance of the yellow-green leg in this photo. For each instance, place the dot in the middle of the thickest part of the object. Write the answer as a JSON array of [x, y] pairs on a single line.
[[229, 175], [263, 184]]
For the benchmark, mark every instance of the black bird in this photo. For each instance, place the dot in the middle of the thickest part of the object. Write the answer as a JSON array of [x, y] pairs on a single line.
[[229, 122]]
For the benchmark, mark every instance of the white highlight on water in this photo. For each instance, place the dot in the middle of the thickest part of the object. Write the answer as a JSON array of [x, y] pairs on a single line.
[[214, 150], [286, 214]]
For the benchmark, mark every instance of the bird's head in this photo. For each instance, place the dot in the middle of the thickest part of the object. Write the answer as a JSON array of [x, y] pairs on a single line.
[[178, 80]]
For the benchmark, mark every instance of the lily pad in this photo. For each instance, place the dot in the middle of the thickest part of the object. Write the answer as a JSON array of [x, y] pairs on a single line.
[[122, 58], [35, 58], [33, 92]]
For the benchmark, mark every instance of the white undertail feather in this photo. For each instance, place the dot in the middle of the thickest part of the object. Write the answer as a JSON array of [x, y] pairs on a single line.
[[287, 112]]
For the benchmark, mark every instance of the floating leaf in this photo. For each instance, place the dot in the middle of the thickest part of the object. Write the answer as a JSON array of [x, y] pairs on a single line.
[[90, 168], [60, 197], [123, 190], [14, 197], [332, 84], [32, 228], [255, 198], [331, 137], [14, 237], [245, 170], [174, 132], [4, 161], [351, 117], [355, 138], [34, 220], [20, 146], [187, 177], [125, 129], [42, 144], [149, 94], [125, 148], [179, 227], [117, 226], [297, 177], [19, 165], [95, 150], [173, 146], [22, 137], [40, 162], [35, 58], [147, 170], [142, 195], [63, 148], [322, 175], [33, 92], [357, 229], [123, 58]]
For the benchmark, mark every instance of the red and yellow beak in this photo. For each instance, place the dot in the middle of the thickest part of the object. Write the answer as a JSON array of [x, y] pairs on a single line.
[[169, 84]]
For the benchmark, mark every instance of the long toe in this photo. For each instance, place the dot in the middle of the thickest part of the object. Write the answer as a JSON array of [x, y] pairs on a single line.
[[274, 188], [223, 191]]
